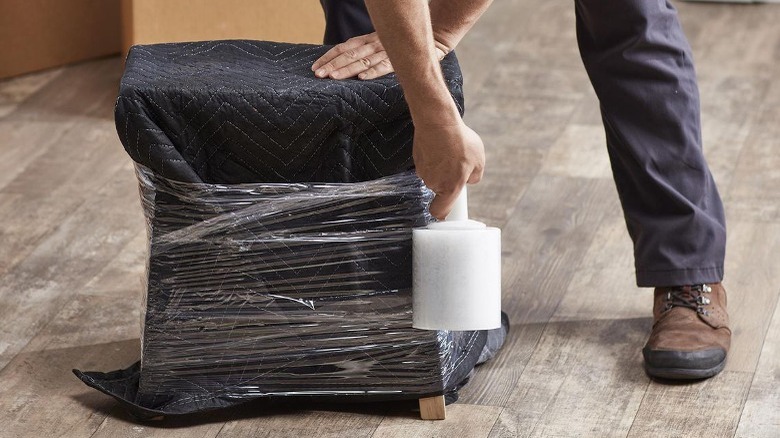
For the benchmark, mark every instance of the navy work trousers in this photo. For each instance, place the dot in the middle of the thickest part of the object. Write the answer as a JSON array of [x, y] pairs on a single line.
[[641, 67]]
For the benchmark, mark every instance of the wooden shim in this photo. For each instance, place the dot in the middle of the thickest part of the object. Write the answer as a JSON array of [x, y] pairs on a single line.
[[432, 408]]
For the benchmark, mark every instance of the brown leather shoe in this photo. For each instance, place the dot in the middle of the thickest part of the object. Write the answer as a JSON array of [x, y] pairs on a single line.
[[690, 337]]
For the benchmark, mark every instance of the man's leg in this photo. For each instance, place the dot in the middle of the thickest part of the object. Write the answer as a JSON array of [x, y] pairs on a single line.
[[345, 19], [641, 67]]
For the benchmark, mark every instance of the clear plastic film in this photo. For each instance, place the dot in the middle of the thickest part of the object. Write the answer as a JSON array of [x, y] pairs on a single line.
[[287, 289]]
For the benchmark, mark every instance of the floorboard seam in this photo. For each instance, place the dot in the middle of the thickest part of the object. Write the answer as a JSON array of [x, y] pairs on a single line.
[[498, 417], [758, 361], [638, 408]]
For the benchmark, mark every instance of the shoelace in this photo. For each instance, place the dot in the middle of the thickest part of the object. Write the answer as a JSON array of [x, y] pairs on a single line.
[[689, 296]]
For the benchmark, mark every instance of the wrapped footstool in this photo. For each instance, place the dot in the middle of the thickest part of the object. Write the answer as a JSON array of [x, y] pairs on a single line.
[[279, 209]]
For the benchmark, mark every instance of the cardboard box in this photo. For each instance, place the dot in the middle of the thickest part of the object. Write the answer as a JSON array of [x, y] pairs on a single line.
[[154, 21], [39, 34]]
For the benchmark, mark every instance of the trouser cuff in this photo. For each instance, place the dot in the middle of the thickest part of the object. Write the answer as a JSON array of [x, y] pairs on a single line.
[[678, 277]]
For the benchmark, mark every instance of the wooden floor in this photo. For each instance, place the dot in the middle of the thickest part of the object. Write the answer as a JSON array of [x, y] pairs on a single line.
[[72, 244]]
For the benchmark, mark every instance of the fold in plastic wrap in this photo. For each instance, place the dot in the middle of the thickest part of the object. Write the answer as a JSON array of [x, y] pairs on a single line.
[[259, 290]]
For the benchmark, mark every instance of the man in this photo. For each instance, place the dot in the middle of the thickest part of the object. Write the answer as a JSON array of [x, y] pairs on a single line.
[[640, 65]]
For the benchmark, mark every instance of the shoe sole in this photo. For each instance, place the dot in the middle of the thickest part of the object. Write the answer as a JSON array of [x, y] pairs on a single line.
[[684, 373]]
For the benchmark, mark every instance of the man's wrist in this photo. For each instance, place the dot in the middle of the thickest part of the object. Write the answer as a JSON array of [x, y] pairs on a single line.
[[429, 99], [442, 50], [444, 41], [434, 107], [437, 114]]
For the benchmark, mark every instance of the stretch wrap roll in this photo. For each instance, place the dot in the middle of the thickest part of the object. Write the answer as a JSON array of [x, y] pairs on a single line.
[[456, 276]]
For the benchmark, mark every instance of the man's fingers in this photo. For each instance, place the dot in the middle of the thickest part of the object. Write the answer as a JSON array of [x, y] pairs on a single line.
[[441, 54], [379, 69], [347, 56], [444, 201], [363, 56], [445, 198], [476, 175], [324, 59], [338, 49], [359, 66], [333, 53]]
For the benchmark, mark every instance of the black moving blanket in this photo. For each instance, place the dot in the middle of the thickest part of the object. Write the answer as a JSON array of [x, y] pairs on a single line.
[[279, 210], [250, 111]]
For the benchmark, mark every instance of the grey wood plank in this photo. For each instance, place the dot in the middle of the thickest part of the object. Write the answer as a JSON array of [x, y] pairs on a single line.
[[612, 246], [23, 142], [750, 45], [517, 134], [752, 299], [585, 376], [553, 226], [587, 111], [88, 149], [728, 114], [15, 90], [483, 50], [751, 284], [761, 414], [507, 25], [584, 379], [64, 261], [592, 385], [125, 273], [580, 151], [698, 21], [85, 90], [86, 320], [543, 59], [494, 381], [546, 404], [463, 420], [604, 286], [543, 243], [39, 396], [291, 423], [754, 193], [537, 82], [118, 424], [53, 185], [708, 409]]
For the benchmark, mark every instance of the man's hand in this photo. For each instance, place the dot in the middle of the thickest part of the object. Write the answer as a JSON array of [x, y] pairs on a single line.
[[362, 56], [447, 153], [447, 157]]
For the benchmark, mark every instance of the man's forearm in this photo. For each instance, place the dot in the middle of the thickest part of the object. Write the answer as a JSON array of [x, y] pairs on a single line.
[[404, 26], [447, 153], [452, 19]]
